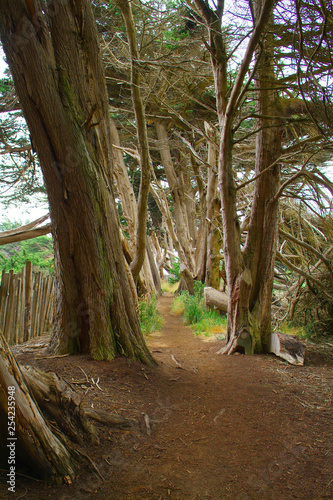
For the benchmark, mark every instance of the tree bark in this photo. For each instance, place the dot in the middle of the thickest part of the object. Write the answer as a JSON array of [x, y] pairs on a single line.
[[36, 444], [239, 277], [216, 299], [145, 161], [64, 100]]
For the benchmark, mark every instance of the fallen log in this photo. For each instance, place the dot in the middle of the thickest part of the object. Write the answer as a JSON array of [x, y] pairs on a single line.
[[216, 299], [287, 347]]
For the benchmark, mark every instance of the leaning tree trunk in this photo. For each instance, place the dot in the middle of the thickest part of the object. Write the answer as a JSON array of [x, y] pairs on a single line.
[[129, 207], [64, 100], [213, 216], [145, 161]]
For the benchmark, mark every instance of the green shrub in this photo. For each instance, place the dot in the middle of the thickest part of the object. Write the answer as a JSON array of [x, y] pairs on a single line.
[[149, 317], [174, 271], [37, 250], [194, 308]]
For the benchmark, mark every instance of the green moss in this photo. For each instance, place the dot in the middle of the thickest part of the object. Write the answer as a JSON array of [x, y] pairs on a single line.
[[102, 352]]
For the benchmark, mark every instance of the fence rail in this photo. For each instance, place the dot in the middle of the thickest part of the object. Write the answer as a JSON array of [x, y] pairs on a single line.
[[26, 304]]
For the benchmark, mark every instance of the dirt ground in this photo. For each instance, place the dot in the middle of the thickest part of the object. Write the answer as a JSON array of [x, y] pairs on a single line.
[[208, 427]]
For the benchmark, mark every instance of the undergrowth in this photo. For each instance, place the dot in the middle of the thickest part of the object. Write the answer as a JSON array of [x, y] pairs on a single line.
[[169, 287], [195, 313], [149, 317]]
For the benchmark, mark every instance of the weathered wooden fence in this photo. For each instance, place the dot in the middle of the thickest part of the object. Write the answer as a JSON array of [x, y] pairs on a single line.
[[26, 304]]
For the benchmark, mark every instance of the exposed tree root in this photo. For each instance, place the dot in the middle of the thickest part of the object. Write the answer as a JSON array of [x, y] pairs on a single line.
[[49, 419]]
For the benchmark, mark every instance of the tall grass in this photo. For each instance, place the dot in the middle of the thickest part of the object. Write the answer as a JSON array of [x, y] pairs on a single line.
[[149, 317], [195, 313], [169, 287]]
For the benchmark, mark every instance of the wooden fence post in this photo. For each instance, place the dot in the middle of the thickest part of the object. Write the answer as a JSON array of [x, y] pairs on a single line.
[[28, 295], [26, 304]]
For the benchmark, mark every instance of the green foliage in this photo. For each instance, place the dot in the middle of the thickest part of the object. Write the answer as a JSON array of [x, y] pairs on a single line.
[[202, 320], [149, 317], [37, 250], [194, 304], [174, 271], [211, 323], [20, 174], [5, 85]]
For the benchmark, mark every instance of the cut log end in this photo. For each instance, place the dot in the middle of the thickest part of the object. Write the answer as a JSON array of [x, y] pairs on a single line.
[[289, 348], [216, 299]]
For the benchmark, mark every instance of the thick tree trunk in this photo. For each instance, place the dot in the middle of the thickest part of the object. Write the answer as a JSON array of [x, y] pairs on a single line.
[[260, 247], [64, 100]]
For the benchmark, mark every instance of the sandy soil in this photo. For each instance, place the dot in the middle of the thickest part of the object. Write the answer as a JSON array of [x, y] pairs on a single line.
[[209, 427]]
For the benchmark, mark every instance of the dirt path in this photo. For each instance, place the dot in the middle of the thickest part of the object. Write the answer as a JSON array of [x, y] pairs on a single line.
[[209, 427]]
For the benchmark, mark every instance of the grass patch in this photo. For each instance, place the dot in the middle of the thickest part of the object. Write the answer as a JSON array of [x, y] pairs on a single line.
[[169, 287], [178, 305], [212, 323], [202, 320], [149, 317], [296, 331]]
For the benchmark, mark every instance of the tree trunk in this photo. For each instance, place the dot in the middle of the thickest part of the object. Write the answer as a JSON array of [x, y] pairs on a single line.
[[64, 100], [129, 206], [145, 161], [181, 222], [260, 247], [240, 325], [36, 445], [213, 216]]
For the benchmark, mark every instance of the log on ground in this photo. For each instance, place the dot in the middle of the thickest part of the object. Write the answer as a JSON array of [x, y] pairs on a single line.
[[215, 298]]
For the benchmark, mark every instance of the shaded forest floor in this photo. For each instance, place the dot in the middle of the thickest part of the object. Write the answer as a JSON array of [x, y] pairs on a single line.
[[209, 427]]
